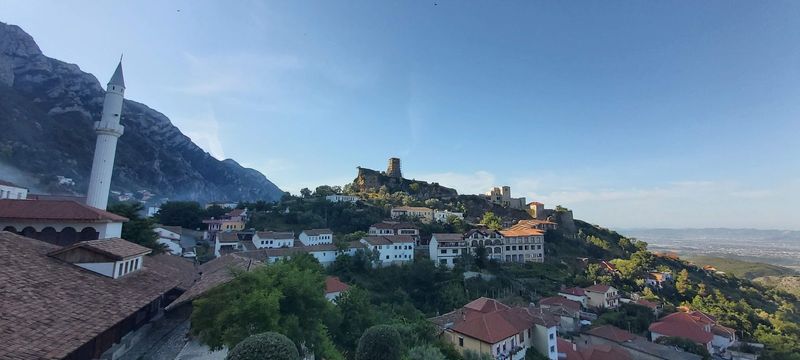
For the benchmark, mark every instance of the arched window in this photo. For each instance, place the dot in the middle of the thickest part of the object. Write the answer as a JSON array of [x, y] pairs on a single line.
[[10, 229], [49, 234], [88, 233], [67, 236], [29, 232]]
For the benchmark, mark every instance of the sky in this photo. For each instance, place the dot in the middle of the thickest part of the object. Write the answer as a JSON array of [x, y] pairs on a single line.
[[631, 113]]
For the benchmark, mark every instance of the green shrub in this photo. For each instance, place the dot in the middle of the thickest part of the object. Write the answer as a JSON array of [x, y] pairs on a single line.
[[380, 342], [425, 352], [265, 346]]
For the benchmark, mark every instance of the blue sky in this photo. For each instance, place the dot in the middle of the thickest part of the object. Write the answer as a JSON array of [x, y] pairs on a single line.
[[632, 113]]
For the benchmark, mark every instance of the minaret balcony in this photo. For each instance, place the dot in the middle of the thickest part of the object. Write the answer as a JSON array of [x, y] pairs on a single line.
[[107, 127]]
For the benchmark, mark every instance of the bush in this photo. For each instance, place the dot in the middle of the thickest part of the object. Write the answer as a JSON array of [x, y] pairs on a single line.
[[685, 344], [474, 355], [265, 346], [425, 352], [380, 342]]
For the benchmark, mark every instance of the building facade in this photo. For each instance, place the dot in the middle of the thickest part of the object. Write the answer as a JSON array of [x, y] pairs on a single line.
[[10, 190], [316, 237], [272, 239], [602, 296], [422, 213], [447, 249], [443, 215], [523, 245], [391, 249], [502, 196]]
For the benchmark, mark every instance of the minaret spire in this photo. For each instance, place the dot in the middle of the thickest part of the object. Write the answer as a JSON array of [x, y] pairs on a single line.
[[108, 131]]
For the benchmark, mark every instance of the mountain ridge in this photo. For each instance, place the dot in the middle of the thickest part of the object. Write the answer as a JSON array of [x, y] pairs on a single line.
[[49, 107]]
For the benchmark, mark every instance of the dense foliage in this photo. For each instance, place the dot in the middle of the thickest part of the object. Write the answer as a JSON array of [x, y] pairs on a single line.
[[380, 342], [685, 344], [265, 346], [186, 214], [137, 229]]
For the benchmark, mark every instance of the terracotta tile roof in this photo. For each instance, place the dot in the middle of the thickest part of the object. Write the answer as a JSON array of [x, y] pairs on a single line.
[[570, 305], [575, 291], [598, 288], [703, 317], [316, 232], [565, 347], [682, 325], [228, 236], [50, 308], [492, 327], [214, 273], [388, 239], [486, 305], [605, 352], [114, 248], [333, 285], [723, 331], [274, 235], [612, 333], [235, 212], [175, 229], [448, 237], [646, 303], [54, 210], [519, 232]]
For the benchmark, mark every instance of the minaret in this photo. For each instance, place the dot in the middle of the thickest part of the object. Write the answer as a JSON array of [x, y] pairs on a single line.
[[108, 131]]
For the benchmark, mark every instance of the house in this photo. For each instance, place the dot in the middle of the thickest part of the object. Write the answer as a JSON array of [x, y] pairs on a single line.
[[226, 242], [394, 228], [490, 327], [391, 249], [443, 215], [502, 196], [222, 204], [682, 324], [57, 221], [216, 272], [411, 212], [326, 254], [492, 240], [447, 249], [523, 245], [575, 294], [316, 237], [655, 307], [634, 346], [170, 237], [334, 287], [602, 296], [608, 267], [237, 214], [657, 279], [9, 190], [568, 311], [342, 198], [272, 239], [88, 300], [224, 224]]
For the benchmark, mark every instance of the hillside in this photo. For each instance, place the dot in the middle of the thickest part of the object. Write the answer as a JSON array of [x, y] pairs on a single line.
[[789, 284], [743, 269], [48, 108]]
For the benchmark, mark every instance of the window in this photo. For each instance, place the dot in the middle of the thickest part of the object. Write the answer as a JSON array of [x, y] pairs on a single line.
[[552, 336], [136, 264], [455, 251], [552, 349], [460, 341], [444, 251], [443, 261], [127, 264], [508, 248], [387, 257], [119, 273]]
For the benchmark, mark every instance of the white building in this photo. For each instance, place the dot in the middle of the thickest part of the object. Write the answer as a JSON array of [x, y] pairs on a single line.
[[443, 215], [9, 190], [601, 296], [490, 239], [326, 254], [422, 213], [108, 132], [394, 228], [342, 198], [170, 236], [392, 249], [316, 237], [225, 242], [273, 239], [447, 249], [575, 294]]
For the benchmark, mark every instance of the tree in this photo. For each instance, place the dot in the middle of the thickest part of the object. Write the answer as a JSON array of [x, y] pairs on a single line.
[[324, 190], [380, 342], [492, 221], [187, 214], [285, 297], [215, 211], [683, 284], [357, 314], [425, 352], [474, 355], [481, 257], [532, 354], [138, 229], [305, 193], [266, 346]]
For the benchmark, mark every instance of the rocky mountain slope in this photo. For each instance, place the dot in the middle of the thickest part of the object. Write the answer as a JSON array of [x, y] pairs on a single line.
[[48, 107]]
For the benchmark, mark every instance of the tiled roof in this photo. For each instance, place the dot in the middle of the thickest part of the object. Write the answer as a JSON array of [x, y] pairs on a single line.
[[274, 235], [54, 210], [316, 232], [576, 291], [565, 347], [605, 352], [647, 303], [486, 305], [175, 229], [518, 232], [214, 273], [570, 305], [682, 325], [50, 308], [598, 288], [334, 285], [612, 333], [235, 212], [448, 237], [227, 236], [114, 248]]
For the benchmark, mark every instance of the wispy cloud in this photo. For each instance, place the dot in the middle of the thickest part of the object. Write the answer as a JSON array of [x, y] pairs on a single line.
[[465, 183], [234, 73], [204, 130]]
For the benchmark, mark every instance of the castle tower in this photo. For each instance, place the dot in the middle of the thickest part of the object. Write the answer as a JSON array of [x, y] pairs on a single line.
[[108, 131], [394, 168]]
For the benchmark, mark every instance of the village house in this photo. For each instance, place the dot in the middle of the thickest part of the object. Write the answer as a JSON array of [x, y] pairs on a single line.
[[59, 222], [394, 228], [575, 294], [9, 190], [523, 245], [222, 204], [696, 326], [334, 287], [222, 225], [89, 300], [316, 237], [411, 212], [227, 242], [656, 279], [272, 239], [335, 198], [170, 237], [602, 296], [443, 215], [635, 347], [391, 249], [326, 254], [568, 312], [490, 239], [571, 351], [490, 327], [447, 249]]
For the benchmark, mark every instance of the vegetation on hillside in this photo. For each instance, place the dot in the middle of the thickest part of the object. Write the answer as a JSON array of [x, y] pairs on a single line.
[[743, 269]]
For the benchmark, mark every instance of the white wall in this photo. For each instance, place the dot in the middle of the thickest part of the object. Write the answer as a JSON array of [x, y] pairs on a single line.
[[105, 230], [166, 234], [393, 253], [316, 240], [13, 192], [272, 243], [173, 247], [106, 269]]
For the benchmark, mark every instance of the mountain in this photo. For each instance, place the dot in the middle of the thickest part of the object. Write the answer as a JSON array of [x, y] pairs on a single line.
[[48, 108]]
